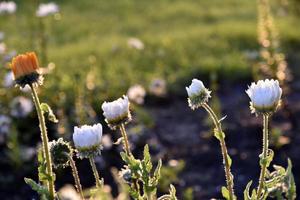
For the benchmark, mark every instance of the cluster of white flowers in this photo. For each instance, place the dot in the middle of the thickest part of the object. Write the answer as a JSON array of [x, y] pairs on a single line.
[[136, 94], [198, 94], [265, 96], [21, 107], [46, 9], [116, 112], [87, 140], [8, 7], [135, 43]]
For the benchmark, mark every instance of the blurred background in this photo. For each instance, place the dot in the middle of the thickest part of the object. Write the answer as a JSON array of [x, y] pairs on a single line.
[[93, 51]]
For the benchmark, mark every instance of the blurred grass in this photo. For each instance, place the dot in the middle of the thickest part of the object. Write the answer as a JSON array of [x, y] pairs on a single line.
[[183, 39]]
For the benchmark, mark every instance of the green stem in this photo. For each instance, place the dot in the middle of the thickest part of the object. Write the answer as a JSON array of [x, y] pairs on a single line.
[[125, 140], [225, 155], [76, 177], [45, 141], [96, 174], [264, 154]]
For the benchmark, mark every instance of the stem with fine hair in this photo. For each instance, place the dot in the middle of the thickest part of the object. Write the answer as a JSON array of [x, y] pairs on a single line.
[[76, 177], [45, 141], [264, 154], [229, 180], [96, 174], [125, 140]]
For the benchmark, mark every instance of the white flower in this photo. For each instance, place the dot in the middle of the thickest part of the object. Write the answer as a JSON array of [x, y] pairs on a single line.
[[87, 140], [2, 48], [265, 96], [198, 94], [135, 43], [116, 112], [9, 7], [158, 87], [46, 9], [136, 94], [68, 192], [21, 107], [8, 80]]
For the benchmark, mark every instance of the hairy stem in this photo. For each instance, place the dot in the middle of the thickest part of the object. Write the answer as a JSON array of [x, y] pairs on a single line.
[[76, 177], [96, 174], [225, 155], [125, 140], [45, 141], [264, 154]]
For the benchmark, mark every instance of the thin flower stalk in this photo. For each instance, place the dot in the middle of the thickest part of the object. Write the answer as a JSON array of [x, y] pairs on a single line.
[[45, 141], [76, 177], [264, 154], [99, 183], [125, 140], [226, 161]]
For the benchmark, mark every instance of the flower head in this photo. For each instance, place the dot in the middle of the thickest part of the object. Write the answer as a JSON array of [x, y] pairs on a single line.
[[25, 68], [8, 7], [60, 151], [136, 43], [198, 94], [136, 94], [87, 140], [265, 96], [116, 112], [46, 9]]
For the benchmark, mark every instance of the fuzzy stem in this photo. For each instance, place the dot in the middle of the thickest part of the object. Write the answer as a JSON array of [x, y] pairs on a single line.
[[76, 177], [225, 155], [45, 141], [96, 174], [264, 154], [125, 140]]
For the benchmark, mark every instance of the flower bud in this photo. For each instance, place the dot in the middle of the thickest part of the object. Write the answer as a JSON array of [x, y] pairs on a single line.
[[265, 96], [60, 152], [197, 93], [116, 112], [87, 140], [25, 68]]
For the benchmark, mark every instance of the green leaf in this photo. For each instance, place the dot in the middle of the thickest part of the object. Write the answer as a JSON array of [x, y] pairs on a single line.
[[40, 189], [247, 192], [172, 192], [219, 135], [291, 193], [225, 193], [147, 158], [156, 174], [47, 109], [266, 161]]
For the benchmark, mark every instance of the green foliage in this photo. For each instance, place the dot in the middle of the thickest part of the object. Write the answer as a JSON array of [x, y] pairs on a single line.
[[47, 109], [142, 174], [40, 189], [42, 168]]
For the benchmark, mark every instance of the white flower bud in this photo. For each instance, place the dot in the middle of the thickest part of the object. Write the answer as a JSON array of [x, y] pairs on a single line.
[[198, 94], [265, 96], [116, 112], [87, 140]]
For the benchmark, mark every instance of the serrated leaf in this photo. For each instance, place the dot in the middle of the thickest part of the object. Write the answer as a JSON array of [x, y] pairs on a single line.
[[147, 158], [156, 174], [47, 109], [40, 189]]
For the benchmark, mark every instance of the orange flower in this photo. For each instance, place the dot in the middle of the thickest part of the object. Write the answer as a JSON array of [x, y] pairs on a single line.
[[25, 68], [24, 64]]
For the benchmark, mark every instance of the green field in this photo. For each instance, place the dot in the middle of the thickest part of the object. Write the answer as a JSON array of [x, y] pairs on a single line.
[[182, 39]]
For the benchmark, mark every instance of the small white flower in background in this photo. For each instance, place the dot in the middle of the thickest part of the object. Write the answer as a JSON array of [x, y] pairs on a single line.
[[2, 48], [116, 112], [198, 94], [87, 140], [106, 141], [5, 123], [158, 87], [68, 192], [21, 107], [8, 7], [265, 96], [8, 80], [46, 9], [136, 94], [135, 43]]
